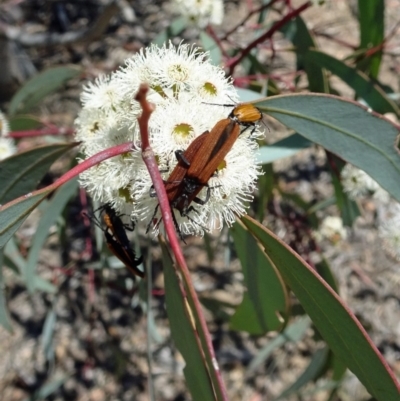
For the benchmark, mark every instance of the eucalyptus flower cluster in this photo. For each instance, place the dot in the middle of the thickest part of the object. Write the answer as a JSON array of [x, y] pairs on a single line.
[[7, 144], [183, 84]]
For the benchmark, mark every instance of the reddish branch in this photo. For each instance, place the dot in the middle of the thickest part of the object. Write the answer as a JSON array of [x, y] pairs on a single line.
[[41, 132], [149, 159], [267, 35], [248, 16]]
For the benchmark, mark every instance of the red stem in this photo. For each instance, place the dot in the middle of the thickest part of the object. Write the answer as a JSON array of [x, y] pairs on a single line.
[[248, 16], [80, 168], [149, 159], [42, 132], [235, 61]]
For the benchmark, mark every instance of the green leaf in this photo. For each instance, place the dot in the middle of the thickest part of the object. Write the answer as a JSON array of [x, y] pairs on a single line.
[[24, 122], [184, 335], [247, 95], [324, 270], [284, 148], [296, 31], [266, 184], [311, 373], [43, 285], [344, 128], [4, 316], [292, 333], [173, 29], [48, 389], [349, 209], [53, 211], [366, 89], [48, 333], [372, 31], [20, 174], [41, 85], [265, 304], [13, 257], [12, 216], [15, 261], [334, 321], [209, 44]]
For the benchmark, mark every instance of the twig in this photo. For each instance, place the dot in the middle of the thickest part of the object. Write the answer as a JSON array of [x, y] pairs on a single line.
[[80, 168], [235, 61], [149, 159], [41, 132], [247, 17]]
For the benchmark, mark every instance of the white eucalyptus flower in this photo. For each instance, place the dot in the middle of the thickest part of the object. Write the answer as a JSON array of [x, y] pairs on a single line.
[[7, 147], [389, 229], [201, 12], [357, 183], [332, 229], [188, 93], [4, 126]]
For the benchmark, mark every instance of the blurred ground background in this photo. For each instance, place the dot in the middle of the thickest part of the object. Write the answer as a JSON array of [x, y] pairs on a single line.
[[99, 343]]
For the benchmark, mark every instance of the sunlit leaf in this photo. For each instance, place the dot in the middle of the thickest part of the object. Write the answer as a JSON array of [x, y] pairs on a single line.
[[174, 28], [24, 122], [310, 374], [41, 85], [184, 335], [333, 320], [4, 315], [20, 173], [344, 128], [265, 302], [209, 44], [364, 87], [53, 210], [371, 15], [284, 148], [12, 216]]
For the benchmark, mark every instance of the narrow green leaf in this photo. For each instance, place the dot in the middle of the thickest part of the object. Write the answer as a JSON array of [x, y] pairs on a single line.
[[364, 87], [53, 211], [325, 271], [4, 316], [265, 304], [296, 31], [292, 333], [334, 321], [371, 15], [173, 29], [43, 285], [20, 174], [209, 44], [48, 389], [323, 204], [14, 215], [266, 185], [41, 85], [344, 128], [349, 209], [12, 252], [311, 373], [184, 335], [48, 333], [24, 122], [284, 148]]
